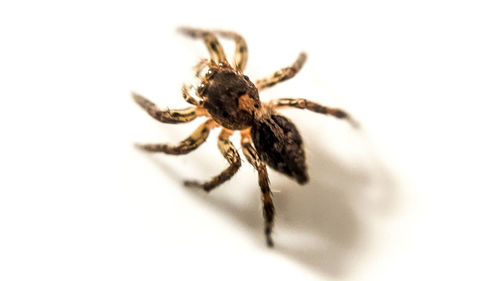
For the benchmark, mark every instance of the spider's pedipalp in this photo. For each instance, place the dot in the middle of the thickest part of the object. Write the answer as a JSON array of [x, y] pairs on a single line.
[[200, 66], [282, 74], [229, 152], [189, 144], [172, 116], [313, 106], [215, 49], [188, 97], [267, 200], [241, 49]]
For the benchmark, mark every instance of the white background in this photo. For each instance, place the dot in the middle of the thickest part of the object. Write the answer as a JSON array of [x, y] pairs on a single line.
[[412, 196]]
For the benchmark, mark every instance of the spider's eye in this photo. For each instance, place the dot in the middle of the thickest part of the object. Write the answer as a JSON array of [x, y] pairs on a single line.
[[246, 77], [201, 87], [225, 114]]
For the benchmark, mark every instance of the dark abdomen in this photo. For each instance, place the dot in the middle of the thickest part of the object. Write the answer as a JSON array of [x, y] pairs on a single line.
[[279, 144]]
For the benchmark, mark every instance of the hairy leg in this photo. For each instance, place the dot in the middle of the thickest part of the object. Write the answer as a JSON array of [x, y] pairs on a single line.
[[282, 74], [315, 107], [217, 54], [241, 50], [267, 200], [191, 143], [172, 116], [231, 154]]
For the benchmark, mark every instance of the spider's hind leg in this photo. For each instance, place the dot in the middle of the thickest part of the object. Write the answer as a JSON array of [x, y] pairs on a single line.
[[315, 107], [267, 200], [229, 152]]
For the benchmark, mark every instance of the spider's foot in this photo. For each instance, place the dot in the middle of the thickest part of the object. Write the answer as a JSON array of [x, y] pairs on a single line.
[[345, 116], [355, 124], [140, 146], [192, 183], [197, 184], [269, 239], [147, 147], [188, 31]]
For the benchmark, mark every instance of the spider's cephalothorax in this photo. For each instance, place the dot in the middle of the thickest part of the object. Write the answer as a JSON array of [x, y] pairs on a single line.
[[230, 98], [231, 101]]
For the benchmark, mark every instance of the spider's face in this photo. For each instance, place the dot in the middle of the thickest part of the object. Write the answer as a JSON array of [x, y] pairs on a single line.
[[231, 99]]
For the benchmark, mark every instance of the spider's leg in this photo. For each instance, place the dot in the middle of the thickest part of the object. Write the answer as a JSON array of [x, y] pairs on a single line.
[[315, 107], [241, 50], [282, 74], [188, 97], [191, 143], [217, 54], [233, 158], [267, 200], [172, 116]]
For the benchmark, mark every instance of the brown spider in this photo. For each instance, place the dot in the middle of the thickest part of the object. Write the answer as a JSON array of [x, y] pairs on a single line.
[[230, 100]]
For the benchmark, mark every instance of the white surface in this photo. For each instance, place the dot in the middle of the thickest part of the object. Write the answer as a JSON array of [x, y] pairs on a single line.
[[413, 196]]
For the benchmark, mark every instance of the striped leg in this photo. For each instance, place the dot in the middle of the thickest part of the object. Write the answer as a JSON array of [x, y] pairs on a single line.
[[267, 200], [241, 50], [217, 54], [315, 107], [231, 154], [191, 143], [282, 74], [169, 115]]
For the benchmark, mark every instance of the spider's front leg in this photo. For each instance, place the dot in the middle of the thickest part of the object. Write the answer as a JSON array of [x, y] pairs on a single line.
[[191, 143], [267, 200], [215, 49], [171, 116], [315, 107], [282, 74], [229, 152], [241, 51]]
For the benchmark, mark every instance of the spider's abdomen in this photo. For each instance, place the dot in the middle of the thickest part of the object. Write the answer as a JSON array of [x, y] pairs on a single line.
[[279, 144], [231, 99]]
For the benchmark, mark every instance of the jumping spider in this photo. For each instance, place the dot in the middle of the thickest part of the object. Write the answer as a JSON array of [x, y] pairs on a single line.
[[231, 101]]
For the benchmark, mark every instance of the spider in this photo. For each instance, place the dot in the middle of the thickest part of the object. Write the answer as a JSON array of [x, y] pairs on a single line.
[[231, 101]]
